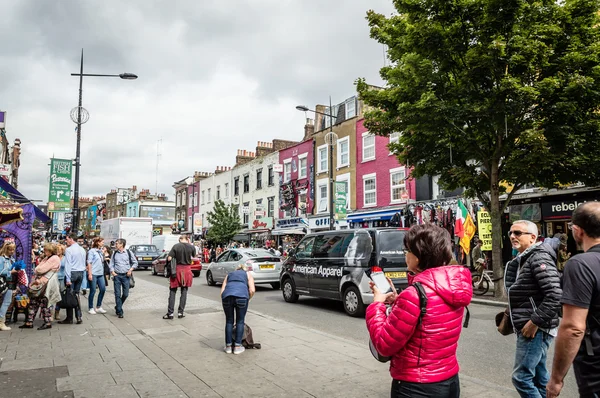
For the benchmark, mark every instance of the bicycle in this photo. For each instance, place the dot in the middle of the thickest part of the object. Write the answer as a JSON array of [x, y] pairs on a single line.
[[481, 280]]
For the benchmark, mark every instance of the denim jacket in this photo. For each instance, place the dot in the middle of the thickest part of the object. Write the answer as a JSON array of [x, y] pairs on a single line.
[[5, 267]]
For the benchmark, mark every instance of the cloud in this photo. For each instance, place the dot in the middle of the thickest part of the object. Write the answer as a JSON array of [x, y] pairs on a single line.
[[214, 76]]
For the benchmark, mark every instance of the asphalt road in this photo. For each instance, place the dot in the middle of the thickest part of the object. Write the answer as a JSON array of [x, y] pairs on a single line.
[[483, 353]]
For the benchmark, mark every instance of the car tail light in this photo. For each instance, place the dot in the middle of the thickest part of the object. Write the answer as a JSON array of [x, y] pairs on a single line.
[[249, 265]]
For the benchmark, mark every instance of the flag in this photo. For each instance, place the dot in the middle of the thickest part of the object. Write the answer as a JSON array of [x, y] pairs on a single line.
[[469, 232], [461, 218]]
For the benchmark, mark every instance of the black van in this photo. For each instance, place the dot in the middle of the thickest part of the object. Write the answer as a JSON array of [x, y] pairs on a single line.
[[332, 265]]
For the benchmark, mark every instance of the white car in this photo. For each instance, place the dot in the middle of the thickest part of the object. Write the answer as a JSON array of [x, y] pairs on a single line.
[[264, 266]]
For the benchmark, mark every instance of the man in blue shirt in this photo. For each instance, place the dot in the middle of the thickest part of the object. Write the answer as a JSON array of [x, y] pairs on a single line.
[[122, 263], [74, 270]]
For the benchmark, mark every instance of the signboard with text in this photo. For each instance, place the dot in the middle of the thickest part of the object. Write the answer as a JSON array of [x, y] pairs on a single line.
[[341, 194], [484, 225], [59, 192], [263, 223]]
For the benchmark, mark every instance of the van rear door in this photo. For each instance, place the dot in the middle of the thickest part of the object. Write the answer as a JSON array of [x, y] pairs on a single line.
[[389, 255]]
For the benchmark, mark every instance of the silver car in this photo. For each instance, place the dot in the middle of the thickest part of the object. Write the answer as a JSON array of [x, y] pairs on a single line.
[[263, 265]]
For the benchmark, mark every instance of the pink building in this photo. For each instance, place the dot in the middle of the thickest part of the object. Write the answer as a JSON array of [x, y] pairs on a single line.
[[296, 181], [382, 187]]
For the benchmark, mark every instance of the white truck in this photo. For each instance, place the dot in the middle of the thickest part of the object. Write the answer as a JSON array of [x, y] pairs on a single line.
[[136, 231]]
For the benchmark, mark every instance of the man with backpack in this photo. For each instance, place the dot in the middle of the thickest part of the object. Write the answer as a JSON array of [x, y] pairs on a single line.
[[122, 263], [578, 340]]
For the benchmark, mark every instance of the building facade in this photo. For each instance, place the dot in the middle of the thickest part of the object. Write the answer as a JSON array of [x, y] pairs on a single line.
[[181, 201]]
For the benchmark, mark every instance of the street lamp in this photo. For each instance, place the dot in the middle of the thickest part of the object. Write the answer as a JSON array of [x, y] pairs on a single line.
[[331, 140], [80, 115]]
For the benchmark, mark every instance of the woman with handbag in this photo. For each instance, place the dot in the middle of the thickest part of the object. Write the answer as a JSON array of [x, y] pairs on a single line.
[[44, 290], [60, 275], [6, 260], [423, 346], [238, 288]]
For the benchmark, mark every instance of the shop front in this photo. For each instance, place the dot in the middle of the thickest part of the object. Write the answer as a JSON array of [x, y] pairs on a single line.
[[260, 231], [321, 223], [372, 219], [289, 231]]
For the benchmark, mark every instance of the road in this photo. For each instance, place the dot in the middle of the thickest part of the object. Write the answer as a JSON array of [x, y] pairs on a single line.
[[483, 353]]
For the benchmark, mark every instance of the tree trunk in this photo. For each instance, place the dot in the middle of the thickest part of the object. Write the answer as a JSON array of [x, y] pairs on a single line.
[[496, 216]]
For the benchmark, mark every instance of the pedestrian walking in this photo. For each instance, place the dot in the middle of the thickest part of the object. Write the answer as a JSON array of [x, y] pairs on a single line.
[[578, 339], [122, 264], [533, 285], [238, 288], [423, 347], [6, 261], [182, 252], [95, 272], [213, 255], [60, 275], [75, 264]]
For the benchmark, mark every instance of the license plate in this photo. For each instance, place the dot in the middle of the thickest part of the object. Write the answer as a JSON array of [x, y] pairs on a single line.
[[147, 258], [267, 266], [395, 275]]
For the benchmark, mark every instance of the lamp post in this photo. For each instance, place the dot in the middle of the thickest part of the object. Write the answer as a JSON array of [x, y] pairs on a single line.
[[80, 115], [330, 139]]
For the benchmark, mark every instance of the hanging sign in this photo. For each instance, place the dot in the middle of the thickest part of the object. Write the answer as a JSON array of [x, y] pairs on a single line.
[[484, 225], [59, 195]]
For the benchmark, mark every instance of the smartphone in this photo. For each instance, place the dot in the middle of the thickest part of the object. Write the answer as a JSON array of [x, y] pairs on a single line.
[[381, 281]]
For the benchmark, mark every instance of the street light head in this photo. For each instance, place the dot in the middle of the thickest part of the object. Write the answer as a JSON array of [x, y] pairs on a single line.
[[302, 108], [128, 76]]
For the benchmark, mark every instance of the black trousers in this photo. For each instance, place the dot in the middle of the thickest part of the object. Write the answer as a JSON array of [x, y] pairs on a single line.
[[182, 300], [444, 389]]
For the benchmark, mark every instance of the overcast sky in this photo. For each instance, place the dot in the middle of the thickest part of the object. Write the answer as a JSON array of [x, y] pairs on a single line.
[[214, 76]]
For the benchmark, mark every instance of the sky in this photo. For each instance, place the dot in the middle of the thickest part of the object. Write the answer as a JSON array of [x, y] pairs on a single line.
[[215, 76]]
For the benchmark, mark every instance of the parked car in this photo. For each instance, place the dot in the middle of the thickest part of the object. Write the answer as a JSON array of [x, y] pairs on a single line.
[[145, 254], [324, 265], [263, 265], [159, 266]]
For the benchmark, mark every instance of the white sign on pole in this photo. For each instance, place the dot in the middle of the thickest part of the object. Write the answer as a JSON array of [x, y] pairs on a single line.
[[4, 169], [278, 168], [245, 209], [197, 224]]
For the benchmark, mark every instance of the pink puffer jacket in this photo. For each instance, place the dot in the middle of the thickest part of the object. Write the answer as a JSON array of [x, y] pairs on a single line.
[[427, 353]]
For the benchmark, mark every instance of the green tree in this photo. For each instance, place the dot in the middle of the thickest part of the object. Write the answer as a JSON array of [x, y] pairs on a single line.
[[487, 92], [225, 222]]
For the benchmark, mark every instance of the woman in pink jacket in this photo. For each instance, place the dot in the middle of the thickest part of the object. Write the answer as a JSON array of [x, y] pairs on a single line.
[[423, 355]]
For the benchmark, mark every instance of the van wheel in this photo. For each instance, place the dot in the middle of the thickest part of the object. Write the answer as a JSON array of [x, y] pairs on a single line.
[[276, 285], [209, 279], [353, 303], [289, 291]]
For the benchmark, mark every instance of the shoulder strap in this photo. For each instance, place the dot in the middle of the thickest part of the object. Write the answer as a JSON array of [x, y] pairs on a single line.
[[129, 256], [422, 300]]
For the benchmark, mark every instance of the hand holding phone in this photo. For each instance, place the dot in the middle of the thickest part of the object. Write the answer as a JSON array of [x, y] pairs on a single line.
[[381, 282]]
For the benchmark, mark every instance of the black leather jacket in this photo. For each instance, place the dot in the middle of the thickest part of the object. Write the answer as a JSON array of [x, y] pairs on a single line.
[[533, 285]]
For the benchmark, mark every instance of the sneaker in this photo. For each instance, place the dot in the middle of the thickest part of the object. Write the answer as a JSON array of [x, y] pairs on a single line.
[[228, 349], [238, 350], [92, 312], [100, 311]]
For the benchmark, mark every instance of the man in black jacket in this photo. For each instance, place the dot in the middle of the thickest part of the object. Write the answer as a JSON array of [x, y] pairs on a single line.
[[534, 293]]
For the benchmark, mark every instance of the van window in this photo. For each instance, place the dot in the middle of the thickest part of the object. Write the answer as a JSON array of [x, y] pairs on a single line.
[[304, 249], [328, 246], [390, 246]]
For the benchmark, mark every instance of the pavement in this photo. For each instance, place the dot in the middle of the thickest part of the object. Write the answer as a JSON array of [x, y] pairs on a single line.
[[143, 355]]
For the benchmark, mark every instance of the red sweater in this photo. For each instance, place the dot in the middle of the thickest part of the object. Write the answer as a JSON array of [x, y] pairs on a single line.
[[427, 353]]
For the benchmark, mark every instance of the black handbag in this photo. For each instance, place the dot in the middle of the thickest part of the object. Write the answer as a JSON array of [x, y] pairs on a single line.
[[172, 267], [131, 281], [68, 298]]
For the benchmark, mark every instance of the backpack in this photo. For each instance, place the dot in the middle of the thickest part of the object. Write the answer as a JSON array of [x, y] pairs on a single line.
[[247, 339], [423, 306]]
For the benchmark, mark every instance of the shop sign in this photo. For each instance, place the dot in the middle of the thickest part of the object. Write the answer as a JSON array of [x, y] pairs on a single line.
[[294, 222], [530, 212], [59, 195], [260, 213], [322, 222], [5, 170], [263, 223], [562, 209], [278, 168], [484, 224]]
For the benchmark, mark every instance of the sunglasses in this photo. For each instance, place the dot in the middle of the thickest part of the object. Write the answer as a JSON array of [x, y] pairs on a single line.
[[518, 233]]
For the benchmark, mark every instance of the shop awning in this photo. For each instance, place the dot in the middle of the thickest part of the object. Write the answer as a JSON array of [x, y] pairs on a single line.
[[20, 198], [288, 231], [372, 216], [9, 212]]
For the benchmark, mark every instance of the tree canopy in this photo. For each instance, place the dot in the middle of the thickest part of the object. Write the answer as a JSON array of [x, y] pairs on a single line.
[[225, 222]]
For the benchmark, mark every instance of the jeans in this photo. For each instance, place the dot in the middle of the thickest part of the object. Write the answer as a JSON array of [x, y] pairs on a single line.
[[6, 300], [76, 280], [99, 280], [444, 389], [530, 375], [121, 283], [182, 300], [239, 306]]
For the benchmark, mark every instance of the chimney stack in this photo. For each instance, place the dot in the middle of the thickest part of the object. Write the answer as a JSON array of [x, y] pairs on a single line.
[[309, 129]]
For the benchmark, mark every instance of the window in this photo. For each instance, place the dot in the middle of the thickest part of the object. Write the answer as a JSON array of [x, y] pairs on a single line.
[[397, 184], [246, 183], [226, 190], [368, 147], [189, 226], [303, 163], [302, 205], [203, 197], [218, 197], [345, 179], [328, 246], [246, 211], [271, 176], [259, 179], [178, 201], [190, 202], [333, 112], [343, 153], [195, 199], [304, 249], [259, 207], [236, 186], [322, 158], [322, 190], [394, 138], [287, 170], [209, 196], [183, 196], [271, 206], [370, 190], [350, 108]]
